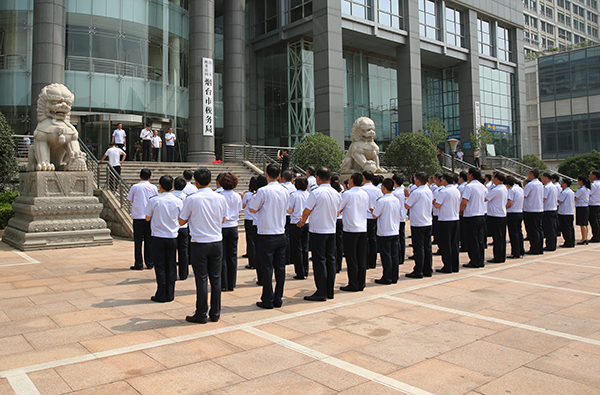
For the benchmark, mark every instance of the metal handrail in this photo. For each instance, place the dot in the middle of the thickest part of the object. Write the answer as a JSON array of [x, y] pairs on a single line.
[[259, 155], [459, 165], [502, 162]]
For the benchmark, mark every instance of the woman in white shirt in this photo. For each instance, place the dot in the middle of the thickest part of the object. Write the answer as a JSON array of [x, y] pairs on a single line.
[[298, 236], [229, 181], [582, 211], [248, 220], [339, 226]]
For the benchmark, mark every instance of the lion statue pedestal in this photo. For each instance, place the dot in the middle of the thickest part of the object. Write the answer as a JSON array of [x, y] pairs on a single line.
[[363, 153], [56, 209]]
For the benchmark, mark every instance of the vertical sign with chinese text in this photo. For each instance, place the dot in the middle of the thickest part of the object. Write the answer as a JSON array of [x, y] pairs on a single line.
[[477, 115], [207, 97]]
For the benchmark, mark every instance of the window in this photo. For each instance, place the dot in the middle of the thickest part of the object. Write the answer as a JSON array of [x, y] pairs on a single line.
[[561, 17], [454, 27], [560, 3], [549, 12], [568, 21], [567, 6], [530, 21], [503, 43], [582, 26], [391, 13], [533, 5], [595, 32], [428, 19], [265, 16], [485, 37], [297, 9], [547, 27], [359, 8]]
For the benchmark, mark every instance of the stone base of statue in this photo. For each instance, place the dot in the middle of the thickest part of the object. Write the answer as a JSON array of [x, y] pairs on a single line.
[[56, 210]]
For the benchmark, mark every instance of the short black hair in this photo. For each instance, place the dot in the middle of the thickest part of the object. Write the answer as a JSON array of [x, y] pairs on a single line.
[[336, 183], [179, 183], [438, 176], [357, 179], [287, 175], [202, 176], [188, 175], [301, 183], [422, 177], [488, 177], [555, 177], [166, 182], [566, 181], [252, 184], [111, 144], [500, 177], [368, 175], [311, 170], [388, 183], [455, 179], [273, 170], [596, 173], [398, 179], [324, 173], [261, 181], [463, 175], [476, 173], [448, 177], [510, 181], [535, 172], [145, 174], [547, 175]]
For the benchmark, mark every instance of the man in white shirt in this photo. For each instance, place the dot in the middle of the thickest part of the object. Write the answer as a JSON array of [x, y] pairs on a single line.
[[550, 216], [497, 198], [435, 188], [460, 154], [298, 235], [374, 194], [419, 203], [119, 137], [190, 187], [146, 136], [156, 142], [286, 177], [566, 213], [170, 143], [322, 206], [514, 217], [447, 202], [354, 218], [387, 213], [116, 156], [462, 183], [163, 212], [310, 177], [270, 205], [400, 192], [472, 208], [533, 211], [139, 194], [205, 212], [594, 204], [183, 235]]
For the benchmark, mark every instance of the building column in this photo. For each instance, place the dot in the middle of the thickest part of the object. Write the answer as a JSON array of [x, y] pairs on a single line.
[[328, 69], [234, 73], [408, 71], [202, 45], [49, 37], [522, 138]]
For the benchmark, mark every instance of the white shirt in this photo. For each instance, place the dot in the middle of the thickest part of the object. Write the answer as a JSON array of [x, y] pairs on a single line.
[[460, 155], [387, 211], [399, 193], [190, 189], [289, 186], [114, 156], [353, 204], [146, 134], [558, 187], [139, 194], [474, 192], [156, 140], [497, 198], [595, 194], [449, 198], [234, 206], [419, 202], [533, 197], [296, 202], [248, 196], [271, 203], [583, 197], [205, 211], [374, 194], [324, 202], [435, 192], [489, 185], [119, 135], [433, 187], [170, 139], [550, 197], [461, 187], [312, 183], [219, 190], [567, 197], [180, 195], [164, 210], [515, 193]]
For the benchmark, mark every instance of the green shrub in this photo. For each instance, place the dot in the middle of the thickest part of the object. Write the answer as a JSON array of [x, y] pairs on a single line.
[[8, 197], [6, 213], [318, 150], [582, 164], [8, 159], [412, 152], [533, 161]]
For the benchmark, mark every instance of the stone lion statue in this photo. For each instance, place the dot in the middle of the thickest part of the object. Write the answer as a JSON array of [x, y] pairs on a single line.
[[363, 153], [56, 144]]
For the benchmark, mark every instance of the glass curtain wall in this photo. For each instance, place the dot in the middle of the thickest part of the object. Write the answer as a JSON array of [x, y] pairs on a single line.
[[440, 97], [272, 96]]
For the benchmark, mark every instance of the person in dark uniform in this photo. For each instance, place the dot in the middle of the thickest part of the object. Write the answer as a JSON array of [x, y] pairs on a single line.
[[284, 156]]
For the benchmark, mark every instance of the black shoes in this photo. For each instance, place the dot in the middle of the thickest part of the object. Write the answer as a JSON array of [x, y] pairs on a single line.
[[471, 265], [443, 271], [315, 298], [413, 275], [197, 320], [299, 278], [566, 246], [515, 256], [136, 268], [155, 299], [263, 305], [494, 261], [348, 288], [383, 281], [585, 242]]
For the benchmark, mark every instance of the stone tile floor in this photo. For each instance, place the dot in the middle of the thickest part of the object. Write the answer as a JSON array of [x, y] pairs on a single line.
[[79, 321]]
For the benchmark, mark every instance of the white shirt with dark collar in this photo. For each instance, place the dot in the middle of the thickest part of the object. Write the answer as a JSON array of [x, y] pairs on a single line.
[[164, 210], [146, 134], [353, 204], [387, 211], [595, 193], [399, 194], [205, 211], [474, 192], [461, 187], [324, 203], [234, 206], [312, 183], [419, 202], [119, 135], [449, 198], [139, 194], [180, 195], [296, 202], [550, 197], [515, 194], [533, 195], [583, 197], [271, 202], [374, 194], [246, 200], [190, 188], [170, 139], [497, 198], [567, 197], [435, 211]]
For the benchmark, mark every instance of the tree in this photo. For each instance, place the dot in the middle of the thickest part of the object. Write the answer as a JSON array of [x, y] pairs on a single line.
[[412, 152], [582, 164], [481, 138], [533, 161], [8, 158], [318, 150], [435, 130]]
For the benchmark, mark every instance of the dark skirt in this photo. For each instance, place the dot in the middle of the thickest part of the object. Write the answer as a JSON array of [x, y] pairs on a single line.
[[583, 214]]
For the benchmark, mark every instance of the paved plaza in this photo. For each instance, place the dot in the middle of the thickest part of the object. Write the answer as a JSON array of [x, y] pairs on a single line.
[[79, 321]]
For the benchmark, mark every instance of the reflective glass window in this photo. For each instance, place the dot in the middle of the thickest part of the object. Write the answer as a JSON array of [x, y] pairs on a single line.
[[454, 27], [391, 13], [484, 35], [359, 8], [429, 25]]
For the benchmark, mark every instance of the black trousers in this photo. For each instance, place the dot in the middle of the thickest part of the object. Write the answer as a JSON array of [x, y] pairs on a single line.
[[165, 268], [476, 239], [402, 242], [595, 222], [121, 147], [287, 239], [142, 233], [207, 259], [463, 232], [449, 243], [322, 247], [435, 230], [250, 248], [339, 244], [299, 249], [170, 152], [514, 222], [113, 181], [388, 251], [183, 252], [271, 255], [155, 154], [146, 147], [371, 243], [549, 220], [421, 241], [497, 227], [568, 231], [229, 269], [355, 248], [533, 226]]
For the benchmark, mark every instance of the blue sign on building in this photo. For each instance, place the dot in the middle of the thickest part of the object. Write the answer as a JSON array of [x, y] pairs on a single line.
[[497, 128], [467, 145]]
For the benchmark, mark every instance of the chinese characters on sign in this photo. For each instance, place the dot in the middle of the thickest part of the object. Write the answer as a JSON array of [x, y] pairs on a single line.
[[207, 97]]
